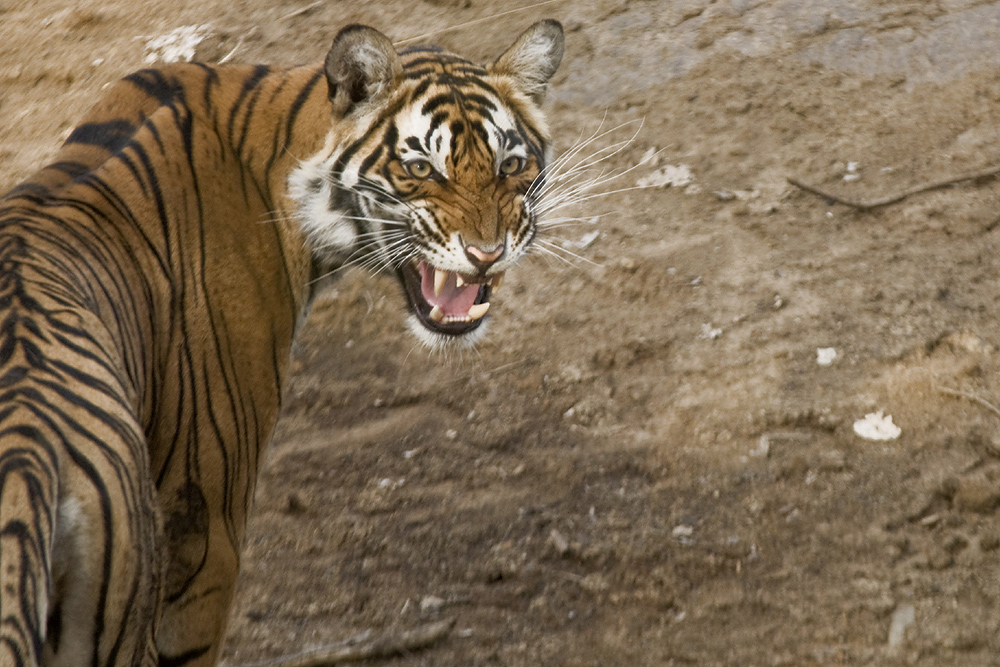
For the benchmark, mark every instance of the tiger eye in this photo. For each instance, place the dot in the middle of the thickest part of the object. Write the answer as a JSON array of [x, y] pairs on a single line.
[[420, 168], [511, 165]]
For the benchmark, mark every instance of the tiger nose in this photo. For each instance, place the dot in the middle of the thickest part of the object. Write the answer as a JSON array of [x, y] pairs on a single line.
[[481, 258]]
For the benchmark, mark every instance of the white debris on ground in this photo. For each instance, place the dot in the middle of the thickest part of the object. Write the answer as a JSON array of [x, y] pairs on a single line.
[[431, 604], [825, 355], [177, 45], [682, 531], [763, 448], [652, 156], [852, 172], [583, 243], [876, 426], [670, 175], [902, 618], [708, 332]]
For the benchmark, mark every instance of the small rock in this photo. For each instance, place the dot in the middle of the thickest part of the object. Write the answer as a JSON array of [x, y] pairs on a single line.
[[989, 541], [977, 494], [763, 447], [939, 559], [594, 583], [955, 543], [832, 461], [683, 531], [708, 332], [948, 488], [795, 467], [902, 618], [296, 504], [559, 542], [431, 604]]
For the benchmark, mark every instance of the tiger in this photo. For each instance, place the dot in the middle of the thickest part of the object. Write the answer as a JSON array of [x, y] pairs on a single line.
[[153, 278]]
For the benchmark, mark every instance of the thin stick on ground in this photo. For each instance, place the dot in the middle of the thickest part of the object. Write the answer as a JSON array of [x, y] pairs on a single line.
[[301, 10], [868, 204], [364, 648], [972, 397]]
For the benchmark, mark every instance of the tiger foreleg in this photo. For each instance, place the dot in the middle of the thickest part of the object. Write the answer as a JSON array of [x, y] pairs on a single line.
[[196, 609]]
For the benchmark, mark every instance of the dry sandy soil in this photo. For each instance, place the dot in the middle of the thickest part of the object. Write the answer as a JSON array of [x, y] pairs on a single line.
[[644, 464]]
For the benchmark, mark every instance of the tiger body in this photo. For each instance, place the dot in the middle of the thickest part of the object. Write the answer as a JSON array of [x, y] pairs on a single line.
[[153, 277]]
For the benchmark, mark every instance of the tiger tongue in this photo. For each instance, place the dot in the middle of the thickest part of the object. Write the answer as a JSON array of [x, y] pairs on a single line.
[[450, 299]]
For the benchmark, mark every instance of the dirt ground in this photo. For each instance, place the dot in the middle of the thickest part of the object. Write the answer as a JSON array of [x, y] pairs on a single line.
[[645, 464]]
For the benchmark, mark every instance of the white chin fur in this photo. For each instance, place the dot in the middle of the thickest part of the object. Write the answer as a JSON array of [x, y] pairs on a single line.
[[438, 342]]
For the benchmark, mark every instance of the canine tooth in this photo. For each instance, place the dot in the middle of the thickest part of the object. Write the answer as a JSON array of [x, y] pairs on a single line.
[[479, 310], [497, 281], [458, 280], [437, 314], [440, 278]]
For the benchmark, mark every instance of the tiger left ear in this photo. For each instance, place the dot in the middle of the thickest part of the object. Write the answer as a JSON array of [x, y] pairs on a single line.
[[362, 68], [533, 58]]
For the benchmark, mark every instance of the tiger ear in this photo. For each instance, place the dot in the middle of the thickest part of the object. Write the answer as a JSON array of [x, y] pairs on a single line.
[[533, 58], [362, 68]]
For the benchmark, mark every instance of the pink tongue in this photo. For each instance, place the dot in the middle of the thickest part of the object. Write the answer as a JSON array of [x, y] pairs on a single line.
[[454, 301]]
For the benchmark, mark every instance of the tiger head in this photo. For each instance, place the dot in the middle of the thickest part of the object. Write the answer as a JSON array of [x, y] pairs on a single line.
[[432, 170]]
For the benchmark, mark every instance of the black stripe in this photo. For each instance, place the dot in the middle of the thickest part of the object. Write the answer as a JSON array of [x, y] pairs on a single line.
[[183, 658], [155, 84], [112, 135]]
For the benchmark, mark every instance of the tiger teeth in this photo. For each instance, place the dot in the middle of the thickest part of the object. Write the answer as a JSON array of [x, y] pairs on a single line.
[[497, 281], [440, 278], [458, 280], [437, 314], [478, 310]]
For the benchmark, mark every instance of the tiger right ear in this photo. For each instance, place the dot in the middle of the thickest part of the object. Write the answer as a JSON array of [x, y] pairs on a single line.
[[362, 68]]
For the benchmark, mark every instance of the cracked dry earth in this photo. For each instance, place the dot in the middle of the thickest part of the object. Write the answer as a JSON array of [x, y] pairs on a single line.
[[644, 464]]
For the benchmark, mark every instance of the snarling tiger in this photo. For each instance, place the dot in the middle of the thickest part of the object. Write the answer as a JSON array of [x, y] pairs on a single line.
[[151, 282]]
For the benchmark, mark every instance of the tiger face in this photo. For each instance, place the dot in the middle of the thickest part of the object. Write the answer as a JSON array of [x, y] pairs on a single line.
[[432, 171]]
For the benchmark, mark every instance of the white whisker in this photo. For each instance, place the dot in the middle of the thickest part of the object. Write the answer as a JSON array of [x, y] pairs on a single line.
[[556, 248]]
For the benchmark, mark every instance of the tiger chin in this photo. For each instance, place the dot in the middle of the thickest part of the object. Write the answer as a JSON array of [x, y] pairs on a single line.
[[433, 172], [152, 281]]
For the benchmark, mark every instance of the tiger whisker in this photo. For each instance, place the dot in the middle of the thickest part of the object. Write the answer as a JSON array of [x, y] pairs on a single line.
[[577, 146], [596, 195], [576, 194], [371, 261], [586, 163], [555, 248], [553, 171], [578, 171], [547, 252]]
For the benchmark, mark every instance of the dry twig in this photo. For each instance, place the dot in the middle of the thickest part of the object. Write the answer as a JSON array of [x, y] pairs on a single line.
[[365, 648], [972, 397], [301, 10], [868, 204]]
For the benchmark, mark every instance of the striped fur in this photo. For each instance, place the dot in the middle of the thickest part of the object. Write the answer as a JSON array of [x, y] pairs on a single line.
[[151, 282]]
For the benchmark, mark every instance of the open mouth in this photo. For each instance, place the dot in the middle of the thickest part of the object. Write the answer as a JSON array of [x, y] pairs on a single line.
[[445, 301]]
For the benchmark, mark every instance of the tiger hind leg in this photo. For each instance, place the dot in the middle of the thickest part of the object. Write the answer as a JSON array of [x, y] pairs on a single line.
[[79, 569]]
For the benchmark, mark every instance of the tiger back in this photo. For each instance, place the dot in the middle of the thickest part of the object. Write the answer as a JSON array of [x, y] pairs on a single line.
[[151, 282]]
